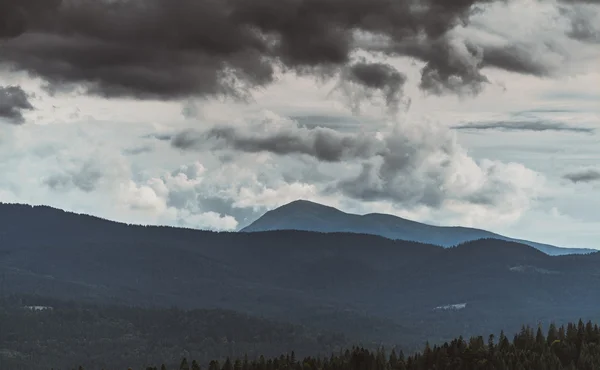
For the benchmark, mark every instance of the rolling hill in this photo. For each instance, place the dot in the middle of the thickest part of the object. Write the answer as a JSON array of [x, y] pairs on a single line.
[[309, 216]]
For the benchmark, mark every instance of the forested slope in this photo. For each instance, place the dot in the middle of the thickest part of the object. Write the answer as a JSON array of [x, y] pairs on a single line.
[[367, 287]]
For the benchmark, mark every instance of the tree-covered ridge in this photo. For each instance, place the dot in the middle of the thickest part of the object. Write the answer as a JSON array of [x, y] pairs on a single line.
[[574, 346], [328, 281]]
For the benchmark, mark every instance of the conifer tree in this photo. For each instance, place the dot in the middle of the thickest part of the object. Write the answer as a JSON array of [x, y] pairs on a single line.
[[184, 365]]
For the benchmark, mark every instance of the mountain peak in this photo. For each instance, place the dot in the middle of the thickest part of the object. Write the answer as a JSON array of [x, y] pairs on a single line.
[[310, 216], [303, 204]]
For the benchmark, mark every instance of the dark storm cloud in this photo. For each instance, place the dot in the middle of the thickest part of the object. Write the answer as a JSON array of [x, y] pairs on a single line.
[[321, 143], [13, 101], [524, 126], [452, 65], [515, 58], [362, 80], [378, 76], [588, 175], [17, 16], [172, 49], [447, 72], [597, 2]]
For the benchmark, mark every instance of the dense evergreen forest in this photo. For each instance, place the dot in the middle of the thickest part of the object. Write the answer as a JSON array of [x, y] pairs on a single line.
[[44, 333], [575, 346]]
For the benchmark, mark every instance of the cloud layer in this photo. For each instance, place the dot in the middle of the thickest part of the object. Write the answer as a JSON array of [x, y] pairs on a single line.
[[410, 165], [524, 126], [321, 143], [173, 49]]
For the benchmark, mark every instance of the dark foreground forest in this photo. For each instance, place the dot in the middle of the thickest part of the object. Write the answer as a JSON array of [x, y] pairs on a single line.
[[575, 346], [63, 335], [39, 334]]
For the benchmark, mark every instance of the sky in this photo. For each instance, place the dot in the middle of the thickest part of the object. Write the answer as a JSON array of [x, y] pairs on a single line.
[[206, 113]]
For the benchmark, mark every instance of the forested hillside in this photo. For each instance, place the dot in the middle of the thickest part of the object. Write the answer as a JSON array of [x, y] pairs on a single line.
[[364, 286]]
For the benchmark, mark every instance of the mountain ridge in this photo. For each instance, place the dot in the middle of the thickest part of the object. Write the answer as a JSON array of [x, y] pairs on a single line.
[[311, 216]]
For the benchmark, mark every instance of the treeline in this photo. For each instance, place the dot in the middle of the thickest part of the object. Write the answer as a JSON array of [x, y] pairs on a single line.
[[574, 346]]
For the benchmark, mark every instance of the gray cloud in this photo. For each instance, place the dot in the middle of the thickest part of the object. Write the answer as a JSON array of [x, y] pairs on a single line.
[[188, 139], [588, 175], [84, 178], [190, 110], [409, 166], [584, 22], [571, 95], [13, 101], [453, 67], [524, 126], [174, 49], [370, 78], [517, 58], [339, 123], [138, 150], [321, 143], [378, 76], [159, 137], [531, 112], [452, 64], [401, 173], [16, 16]]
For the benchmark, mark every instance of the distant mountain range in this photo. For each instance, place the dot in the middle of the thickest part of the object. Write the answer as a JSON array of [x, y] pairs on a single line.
[[310, 216]]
